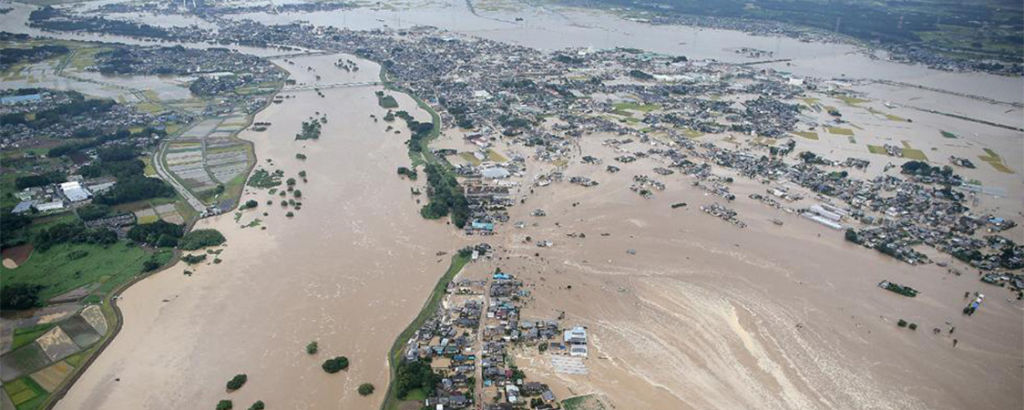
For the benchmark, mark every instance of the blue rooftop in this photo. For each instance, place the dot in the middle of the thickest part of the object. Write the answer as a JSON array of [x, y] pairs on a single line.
[[15, 99]]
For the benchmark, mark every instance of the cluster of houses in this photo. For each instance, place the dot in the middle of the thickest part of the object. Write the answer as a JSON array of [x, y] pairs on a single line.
[[724, 213], [60, 115], [468, 343], [523, 97]]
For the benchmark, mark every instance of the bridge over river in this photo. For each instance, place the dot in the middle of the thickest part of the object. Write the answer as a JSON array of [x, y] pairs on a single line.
[[308, 87]]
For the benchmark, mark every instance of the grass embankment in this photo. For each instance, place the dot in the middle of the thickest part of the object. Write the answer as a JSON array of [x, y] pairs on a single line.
[[443, 191], [391, 400]]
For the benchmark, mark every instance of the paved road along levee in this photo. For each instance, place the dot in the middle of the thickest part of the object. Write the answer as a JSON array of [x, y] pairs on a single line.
[[158, 164]]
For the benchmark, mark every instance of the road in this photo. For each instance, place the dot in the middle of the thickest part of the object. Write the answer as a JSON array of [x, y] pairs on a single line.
[[164, 174]]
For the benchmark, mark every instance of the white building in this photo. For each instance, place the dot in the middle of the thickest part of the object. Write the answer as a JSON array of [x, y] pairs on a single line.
[[494, 173], [575, 336], [50, 206], [74, 191]]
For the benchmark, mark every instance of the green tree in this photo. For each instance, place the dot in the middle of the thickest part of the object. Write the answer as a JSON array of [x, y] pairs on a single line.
[[236, 382], [312, 347], [365, 389], [335, 365], [201, 238], [19, 296], [225, 405]]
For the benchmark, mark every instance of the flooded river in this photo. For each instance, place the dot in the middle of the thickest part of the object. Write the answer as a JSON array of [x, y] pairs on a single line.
[[353, 266], [350, 270]]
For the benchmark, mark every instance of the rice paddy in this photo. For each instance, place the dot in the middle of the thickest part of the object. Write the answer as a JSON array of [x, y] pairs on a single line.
[[24, 390], [51, 377], [56, 344], [208, 155]]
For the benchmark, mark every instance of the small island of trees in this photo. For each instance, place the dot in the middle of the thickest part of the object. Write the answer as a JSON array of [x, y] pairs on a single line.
[[201, 238], [236, 382], [310, 130], [335, 365]]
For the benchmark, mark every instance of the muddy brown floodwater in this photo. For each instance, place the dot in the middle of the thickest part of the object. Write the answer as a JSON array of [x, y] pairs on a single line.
[[350, 270], [709, 315]]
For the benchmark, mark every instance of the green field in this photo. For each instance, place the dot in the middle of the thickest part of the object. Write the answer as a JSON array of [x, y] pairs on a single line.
[[887, 115], [470, 158], [993, 40], [586, 402], [913, 153], [851, 101], [876, 149], [692, 133], [839, 130], [495, 156], [107, 266], [811, 135], [25, 393], [632, 106], [995, 161], [26, 335]]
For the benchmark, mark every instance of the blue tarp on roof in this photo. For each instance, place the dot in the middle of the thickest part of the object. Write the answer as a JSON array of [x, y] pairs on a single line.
[[487, 226], [23, 206], [14, 99]]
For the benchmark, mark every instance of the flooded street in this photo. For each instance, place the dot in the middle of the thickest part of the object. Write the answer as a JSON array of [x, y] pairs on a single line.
[[350, 270], [708, 315]]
